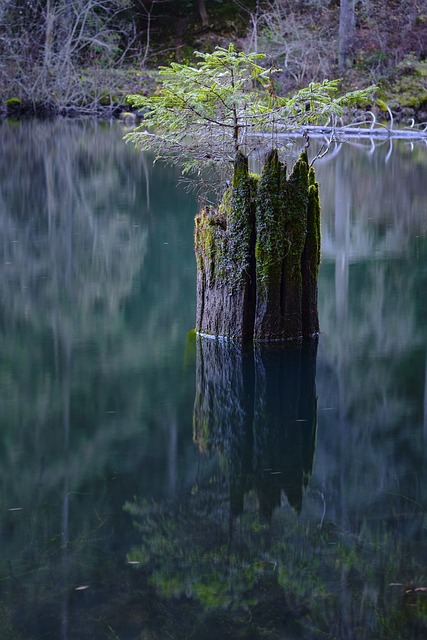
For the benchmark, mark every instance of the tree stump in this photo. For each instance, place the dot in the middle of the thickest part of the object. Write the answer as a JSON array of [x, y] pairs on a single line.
[[258, 255]]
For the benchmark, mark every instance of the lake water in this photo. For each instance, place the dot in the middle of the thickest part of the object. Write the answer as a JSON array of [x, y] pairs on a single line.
[[156, 487]]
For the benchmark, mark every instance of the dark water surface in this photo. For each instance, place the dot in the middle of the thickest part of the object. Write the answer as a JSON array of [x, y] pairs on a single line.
[[154, 487]]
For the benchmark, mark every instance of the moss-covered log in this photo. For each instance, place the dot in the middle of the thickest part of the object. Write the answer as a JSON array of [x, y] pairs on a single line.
[[258, 255]]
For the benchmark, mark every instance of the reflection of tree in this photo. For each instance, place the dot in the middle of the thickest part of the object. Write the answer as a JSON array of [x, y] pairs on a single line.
[[371, 368], [258, 408], [297, 576], [369, 295], [81, 349], [372, 204]]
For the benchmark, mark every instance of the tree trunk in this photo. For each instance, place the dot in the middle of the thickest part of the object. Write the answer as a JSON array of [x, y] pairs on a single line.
[[48, 39], [346, 33], [258, 256], [225, 246], [311, 260], [203, 13]]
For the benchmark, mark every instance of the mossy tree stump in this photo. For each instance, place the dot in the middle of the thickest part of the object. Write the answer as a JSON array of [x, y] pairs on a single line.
[[258, 255]]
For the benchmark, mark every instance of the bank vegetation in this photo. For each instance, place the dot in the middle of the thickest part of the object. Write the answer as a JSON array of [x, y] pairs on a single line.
[[83, 57]]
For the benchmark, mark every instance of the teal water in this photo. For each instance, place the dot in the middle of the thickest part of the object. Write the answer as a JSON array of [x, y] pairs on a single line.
[[153, 486]]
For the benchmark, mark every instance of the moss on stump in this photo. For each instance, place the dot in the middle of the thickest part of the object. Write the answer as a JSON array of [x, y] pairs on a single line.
[[258, 255]]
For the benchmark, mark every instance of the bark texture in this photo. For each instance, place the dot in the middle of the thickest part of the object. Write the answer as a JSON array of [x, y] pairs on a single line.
[[224, 244], [258, 256]]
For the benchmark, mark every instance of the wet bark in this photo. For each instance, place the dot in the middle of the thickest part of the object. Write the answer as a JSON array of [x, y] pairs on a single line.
[[258, 256]]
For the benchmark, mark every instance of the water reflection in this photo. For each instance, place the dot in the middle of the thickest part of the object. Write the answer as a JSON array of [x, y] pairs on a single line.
[[247, 532], [371, 207], [84, 373], [214, 550], [257, 408], [352, 563]]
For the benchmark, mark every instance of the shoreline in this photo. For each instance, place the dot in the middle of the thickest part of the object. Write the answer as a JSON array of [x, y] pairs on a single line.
[[373, 117]]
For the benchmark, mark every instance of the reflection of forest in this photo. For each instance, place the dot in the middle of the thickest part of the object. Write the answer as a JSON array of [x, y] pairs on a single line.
[[82, 353], [371, 354], [258, 409], [97, 397], [371, 365], [69, 259], [373, 201], [66, 245], [76, 220]]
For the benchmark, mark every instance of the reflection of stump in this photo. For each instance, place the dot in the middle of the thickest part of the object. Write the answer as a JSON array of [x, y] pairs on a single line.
[[258, 256], [258, 409], [285, 422]]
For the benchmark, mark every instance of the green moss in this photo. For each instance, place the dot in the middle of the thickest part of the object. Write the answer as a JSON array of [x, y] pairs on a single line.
[[223, 238], [191, 335], [313, 223], [105, 101], [407, 86], [296, 210], [240, 223], [224, 207], [240, 173], [13, 102], [190, 349], [270, 247], [259, 235], [210, 244]]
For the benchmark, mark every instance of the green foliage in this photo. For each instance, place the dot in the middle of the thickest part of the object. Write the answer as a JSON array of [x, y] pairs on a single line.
[[12, 102], [202, 115], [269, 249], [409, 85]]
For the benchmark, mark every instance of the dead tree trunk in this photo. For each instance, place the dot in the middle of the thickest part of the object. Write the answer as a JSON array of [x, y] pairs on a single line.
[[258, 256], [203, 13], [225, 253], [347, 27]]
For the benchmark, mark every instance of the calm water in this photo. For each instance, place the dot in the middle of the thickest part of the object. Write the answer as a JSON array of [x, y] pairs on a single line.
[[154, 487]]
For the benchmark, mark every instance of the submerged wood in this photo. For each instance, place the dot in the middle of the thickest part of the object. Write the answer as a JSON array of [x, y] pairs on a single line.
[[258, 256]]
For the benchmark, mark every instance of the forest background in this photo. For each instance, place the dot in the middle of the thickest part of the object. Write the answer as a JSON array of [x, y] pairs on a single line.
[[83, 57]]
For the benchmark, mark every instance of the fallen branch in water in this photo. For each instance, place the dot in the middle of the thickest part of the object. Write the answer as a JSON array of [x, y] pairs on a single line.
[[374, 130], [363, 129]]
